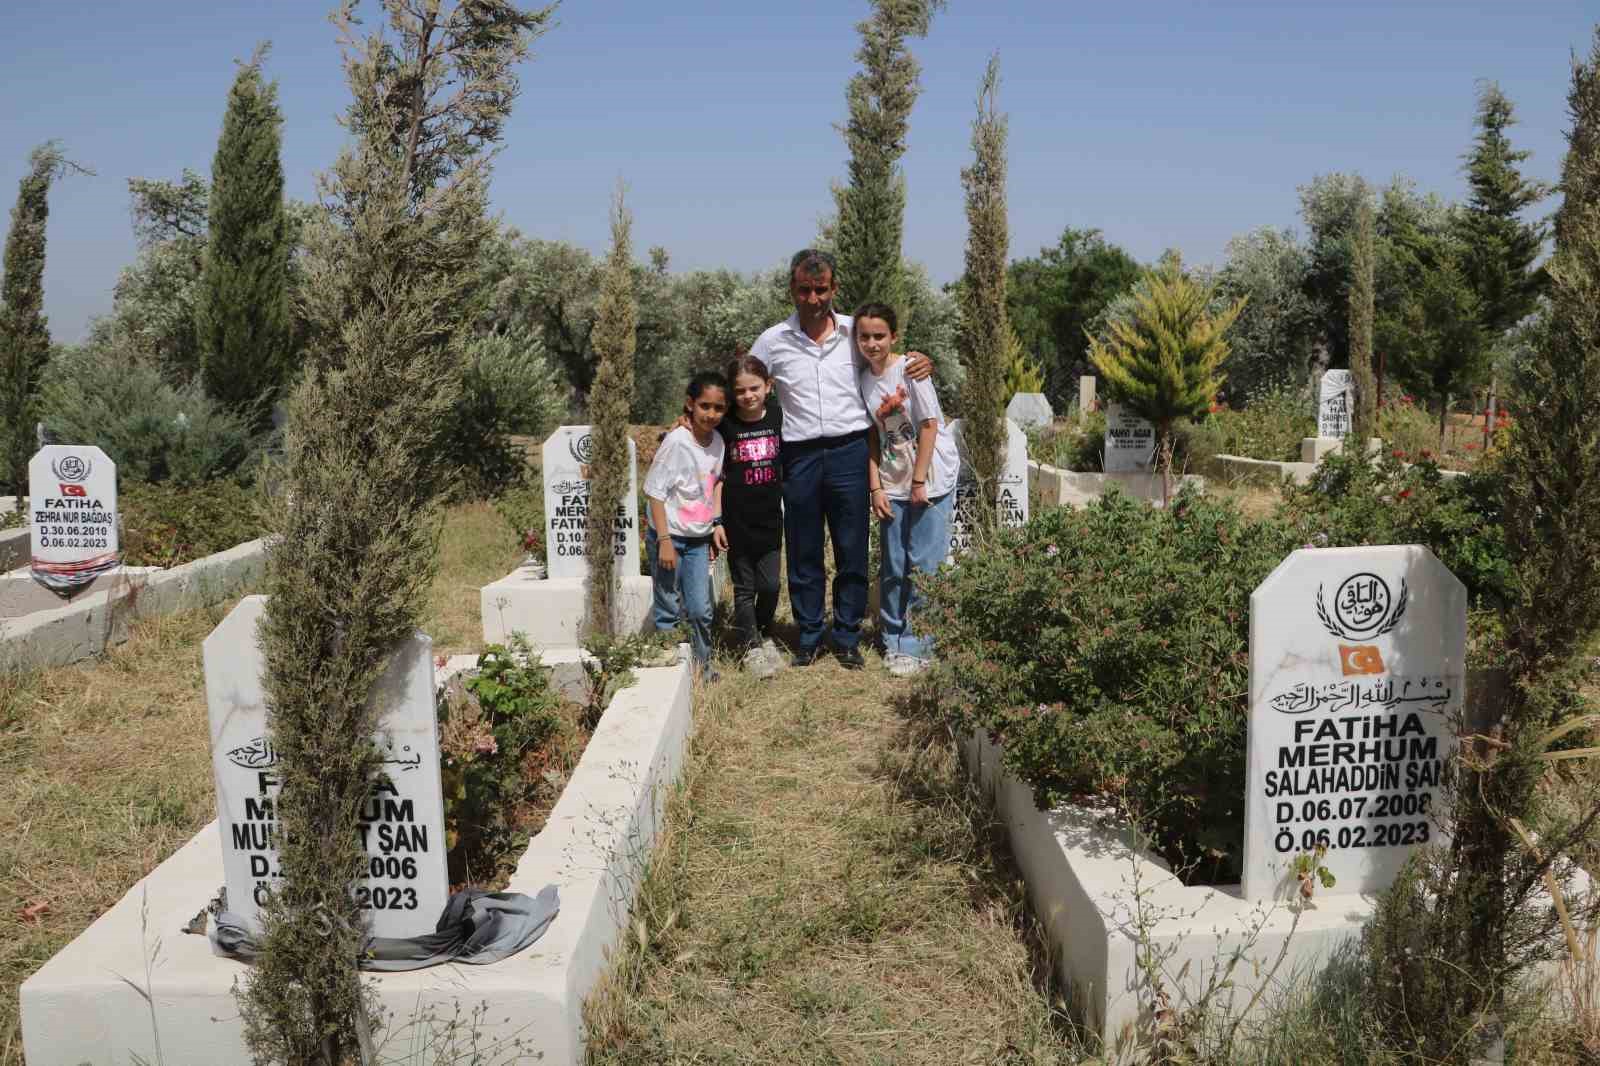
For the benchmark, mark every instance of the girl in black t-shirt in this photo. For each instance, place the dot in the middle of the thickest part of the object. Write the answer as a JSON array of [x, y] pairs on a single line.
[[752, 509]]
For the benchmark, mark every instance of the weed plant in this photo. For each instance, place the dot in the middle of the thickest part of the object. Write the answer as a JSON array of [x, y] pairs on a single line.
[[507, 739]]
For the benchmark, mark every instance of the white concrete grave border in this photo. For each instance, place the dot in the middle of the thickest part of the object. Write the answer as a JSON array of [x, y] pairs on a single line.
[[98, 620], [1063, 488], [1079, 866], [594, 847]]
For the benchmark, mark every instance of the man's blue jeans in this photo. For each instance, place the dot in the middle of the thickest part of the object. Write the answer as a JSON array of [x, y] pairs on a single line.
[[683, 594], [914, 542], [825, 480]]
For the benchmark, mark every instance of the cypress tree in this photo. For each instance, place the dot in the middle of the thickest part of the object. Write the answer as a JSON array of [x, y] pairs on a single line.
[[1363, 259], [872, 204], [243, 322], [987, 343], [391, 264], [1504, 248], [614, 342], [24, 333]]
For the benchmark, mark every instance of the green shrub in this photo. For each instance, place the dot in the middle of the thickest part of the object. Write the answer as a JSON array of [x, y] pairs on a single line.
[[153, 430], [1407, 428], [496, 732], [1107, 648], [1076, 445], [1351, 501], [170, 524], [528, 391], [1270, 428], [523, 509]]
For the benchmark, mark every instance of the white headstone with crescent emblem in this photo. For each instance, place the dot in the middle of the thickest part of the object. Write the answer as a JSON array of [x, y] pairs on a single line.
[[404, 887], [72, 503], [566, 458], [1357, 666]]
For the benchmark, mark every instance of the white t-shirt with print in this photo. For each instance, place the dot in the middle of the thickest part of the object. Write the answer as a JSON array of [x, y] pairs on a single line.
[[898, 407], [684, 477]]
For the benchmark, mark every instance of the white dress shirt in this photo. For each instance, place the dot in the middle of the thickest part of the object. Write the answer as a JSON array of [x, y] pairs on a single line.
[[817, 386]]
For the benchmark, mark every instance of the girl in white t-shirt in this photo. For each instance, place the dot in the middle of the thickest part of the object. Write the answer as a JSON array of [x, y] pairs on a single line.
[[912, 470], [684, 490]]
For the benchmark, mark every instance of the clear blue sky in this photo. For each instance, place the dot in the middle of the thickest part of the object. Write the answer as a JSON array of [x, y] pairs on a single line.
[[1165, 124]]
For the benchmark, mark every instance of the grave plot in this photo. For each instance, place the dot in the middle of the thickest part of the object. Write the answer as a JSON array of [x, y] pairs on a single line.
[[548, 607], [1126, 457], [545, 600], [1272, 806], [587, 855], [75, 597]]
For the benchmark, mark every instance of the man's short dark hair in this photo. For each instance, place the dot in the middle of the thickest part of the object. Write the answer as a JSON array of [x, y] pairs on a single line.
[[811, 263]]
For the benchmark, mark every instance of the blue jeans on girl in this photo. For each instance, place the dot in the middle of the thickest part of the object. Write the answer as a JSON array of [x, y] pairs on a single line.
[[914, 542], [684, 594]]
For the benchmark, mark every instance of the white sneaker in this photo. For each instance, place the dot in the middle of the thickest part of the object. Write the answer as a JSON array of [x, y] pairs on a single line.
[[757, 663], [901, 665]]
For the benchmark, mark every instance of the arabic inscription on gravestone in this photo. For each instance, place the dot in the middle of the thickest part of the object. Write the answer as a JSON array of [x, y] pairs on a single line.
[[1357, 664]]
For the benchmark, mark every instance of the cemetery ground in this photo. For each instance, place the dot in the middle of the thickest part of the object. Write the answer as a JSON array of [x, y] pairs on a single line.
[[104, 769], [829, 889]]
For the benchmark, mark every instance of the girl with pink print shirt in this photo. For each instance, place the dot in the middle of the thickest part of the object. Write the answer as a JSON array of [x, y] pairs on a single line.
[[684, 491]]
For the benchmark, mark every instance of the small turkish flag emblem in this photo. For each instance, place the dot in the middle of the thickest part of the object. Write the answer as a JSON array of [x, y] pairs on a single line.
[[1360, 659], [72, 490]]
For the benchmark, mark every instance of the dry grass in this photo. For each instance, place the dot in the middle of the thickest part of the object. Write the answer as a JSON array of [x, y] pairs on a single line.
[[104, 770], [1253, 501], [478, 547], [828, 891]]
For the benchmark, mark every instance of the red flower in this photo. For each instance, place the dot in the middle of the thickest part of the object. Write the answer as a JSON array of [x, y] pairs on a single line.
[[1426, 453], [1398, 454], [1404, 493], [1471, 447]]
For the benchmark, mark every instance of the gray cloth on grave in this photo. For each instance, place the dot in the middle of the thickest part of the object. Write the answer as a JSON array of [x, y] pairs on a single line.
[[477, 927]]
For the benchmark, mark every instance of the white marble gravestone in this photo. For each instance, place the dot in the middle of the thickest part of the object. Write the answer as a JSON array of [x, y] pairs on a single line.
[[1030, 410], [1086, 400], [1130, 441], [566, 506], [406, 884], [1011, 498], [72, 502], [1357, 663], [1333, 405]]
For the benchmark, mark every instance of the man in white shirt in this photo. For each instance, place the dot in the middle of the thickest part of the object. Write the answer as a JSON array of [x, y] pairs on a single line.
[[825, 421]]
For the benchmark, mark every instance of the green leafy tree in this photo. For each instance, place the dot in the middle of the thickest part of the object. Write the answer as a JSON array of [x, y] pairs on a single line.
[[392, 264], [987, 342], [1363, 252], [1052, 298], [1164, 361], [1441, 348], [244, 326], [872, 204], [1329, 205], [24, 333], [608, 416], [1504, 248], [1271, 342]]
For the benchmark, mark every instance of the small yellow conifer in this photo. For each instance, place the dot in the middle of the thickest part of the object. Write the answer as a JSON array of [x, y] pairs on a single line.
[[1164, 361]]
